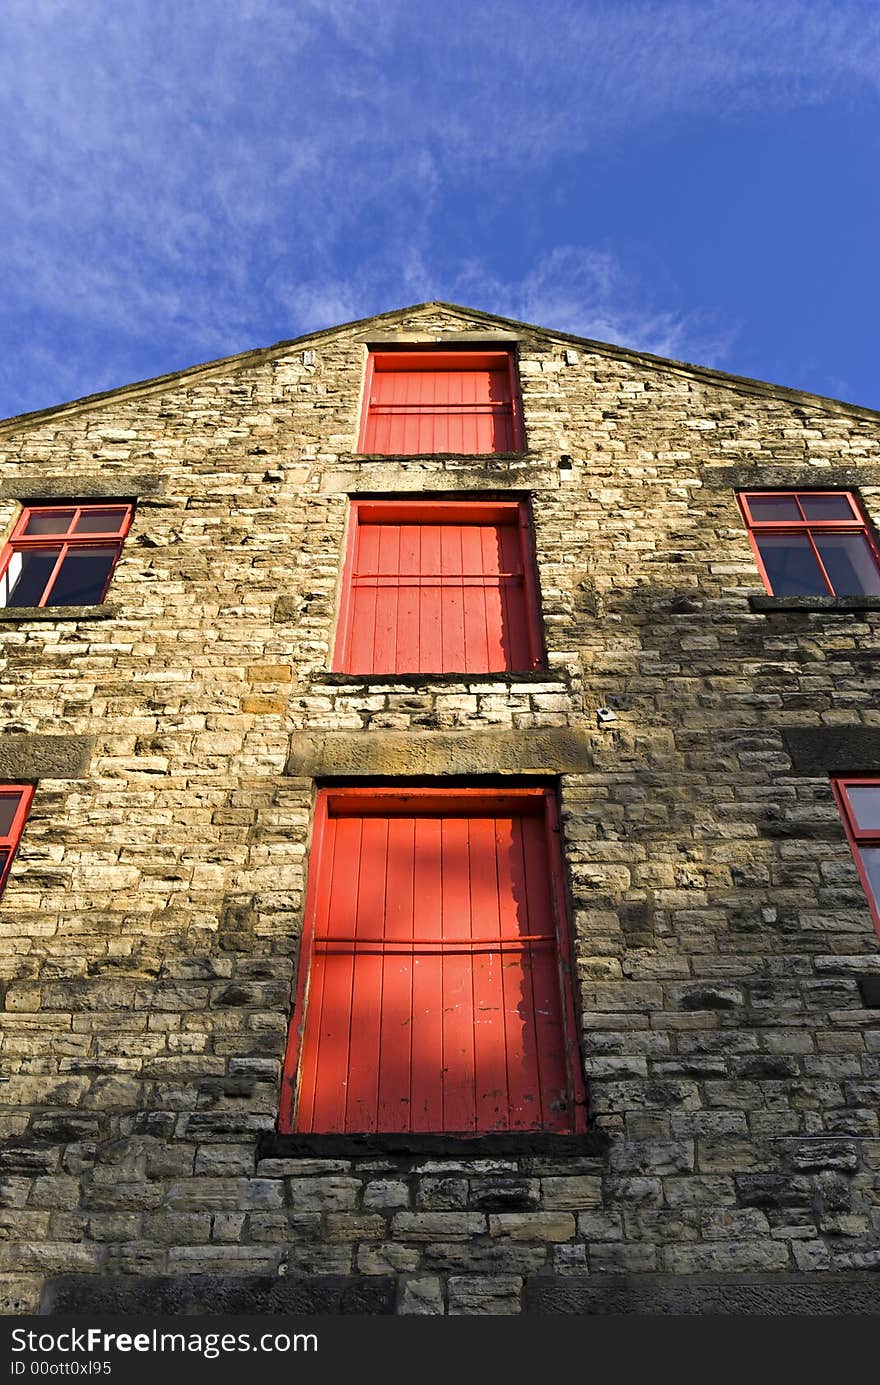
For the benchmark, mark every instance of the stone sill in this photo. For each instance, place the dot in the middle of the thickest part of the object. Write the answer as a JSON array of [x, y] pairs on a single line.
[[827, 605], [783, 1293], [215, 1294], [11, 615], [505, 1143], [432, 680]]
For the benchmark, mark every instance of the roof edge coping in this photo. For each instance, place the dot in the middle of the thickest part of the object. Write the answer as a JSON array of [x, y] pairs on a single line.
[[257, 355]]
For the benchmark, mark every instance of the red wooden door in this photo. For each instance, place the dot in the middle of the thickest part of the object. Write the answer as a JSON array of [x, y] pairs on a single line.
[[432, 995], [440, 401], [439, 588]]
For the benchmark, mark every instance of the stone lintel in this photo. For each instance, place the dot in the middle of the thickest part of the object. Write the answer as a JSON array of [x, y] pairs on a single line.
[[213, 1294], [808, 1294], [822, 605], [357, 754], [833, 749], [768, 475], [37, 485], [44, 757]]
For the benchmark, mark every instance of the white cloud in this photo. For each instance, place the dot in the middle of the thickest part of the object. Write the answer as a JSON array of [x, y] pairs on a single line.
[[216, 175], [571, 288]]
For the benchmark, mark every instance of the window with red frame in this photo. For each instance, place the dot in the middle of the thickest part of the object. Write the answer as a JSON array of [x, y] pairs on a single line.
[[446, 587], [811, 543], [859, 803], [434, 985], [15, 800], [62, 555], [441, 401]]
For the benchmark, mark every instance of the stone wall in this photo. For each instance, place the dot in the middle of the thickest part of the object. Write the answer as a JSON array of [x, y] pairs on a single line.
[[151, 920]]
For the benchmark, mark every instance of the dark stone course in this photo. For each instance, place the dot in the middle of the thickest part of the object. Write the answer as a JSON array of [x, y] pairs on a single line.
[[775, 476], [803, 1295], [504, 1195], [217, 1294], [271, 1146]]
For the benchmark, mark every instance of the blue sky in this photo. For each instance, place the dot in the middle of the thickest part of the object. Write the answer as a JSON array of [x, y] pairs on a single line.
[[185, 179]]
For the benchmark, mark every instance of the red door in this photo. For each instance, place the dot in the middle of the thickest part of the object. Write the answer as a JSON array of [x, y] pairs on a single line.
[[434, 990], [440, 401], [439, 588]]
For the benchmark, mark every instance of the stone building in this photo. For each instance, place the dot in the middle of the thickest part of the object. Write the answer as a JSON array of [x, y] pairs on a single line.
[[439, 871]]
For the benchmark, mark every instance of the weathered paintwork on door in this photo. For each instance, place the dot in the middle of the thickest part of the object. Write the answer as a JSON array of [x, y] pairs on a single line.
[[434, 989]]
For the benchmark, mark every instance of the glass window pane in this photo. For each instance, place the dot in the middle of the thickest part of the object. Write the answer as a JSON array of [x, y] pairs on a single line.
[[100, 521], [24, 580], [791, 565], [10, 576], [764, 508], [864, 802], [83, 577], [871, 862], [850, 564], [826, 507], [49, 522], [8, 805]]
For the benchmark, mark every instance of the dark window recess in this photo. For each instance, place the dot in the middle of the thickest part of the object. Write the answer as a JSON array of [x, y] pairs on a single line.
[[811, 543], [859, 803], [62, 556], [15, 800]]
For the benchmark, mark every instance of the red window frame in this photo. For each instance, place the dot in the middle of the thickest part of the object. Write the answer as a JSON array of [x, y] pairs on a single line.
[[858, 524], [418, 360], [66, 540], [458, 586], [858, 837], [9, 840], [378, 1052]]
